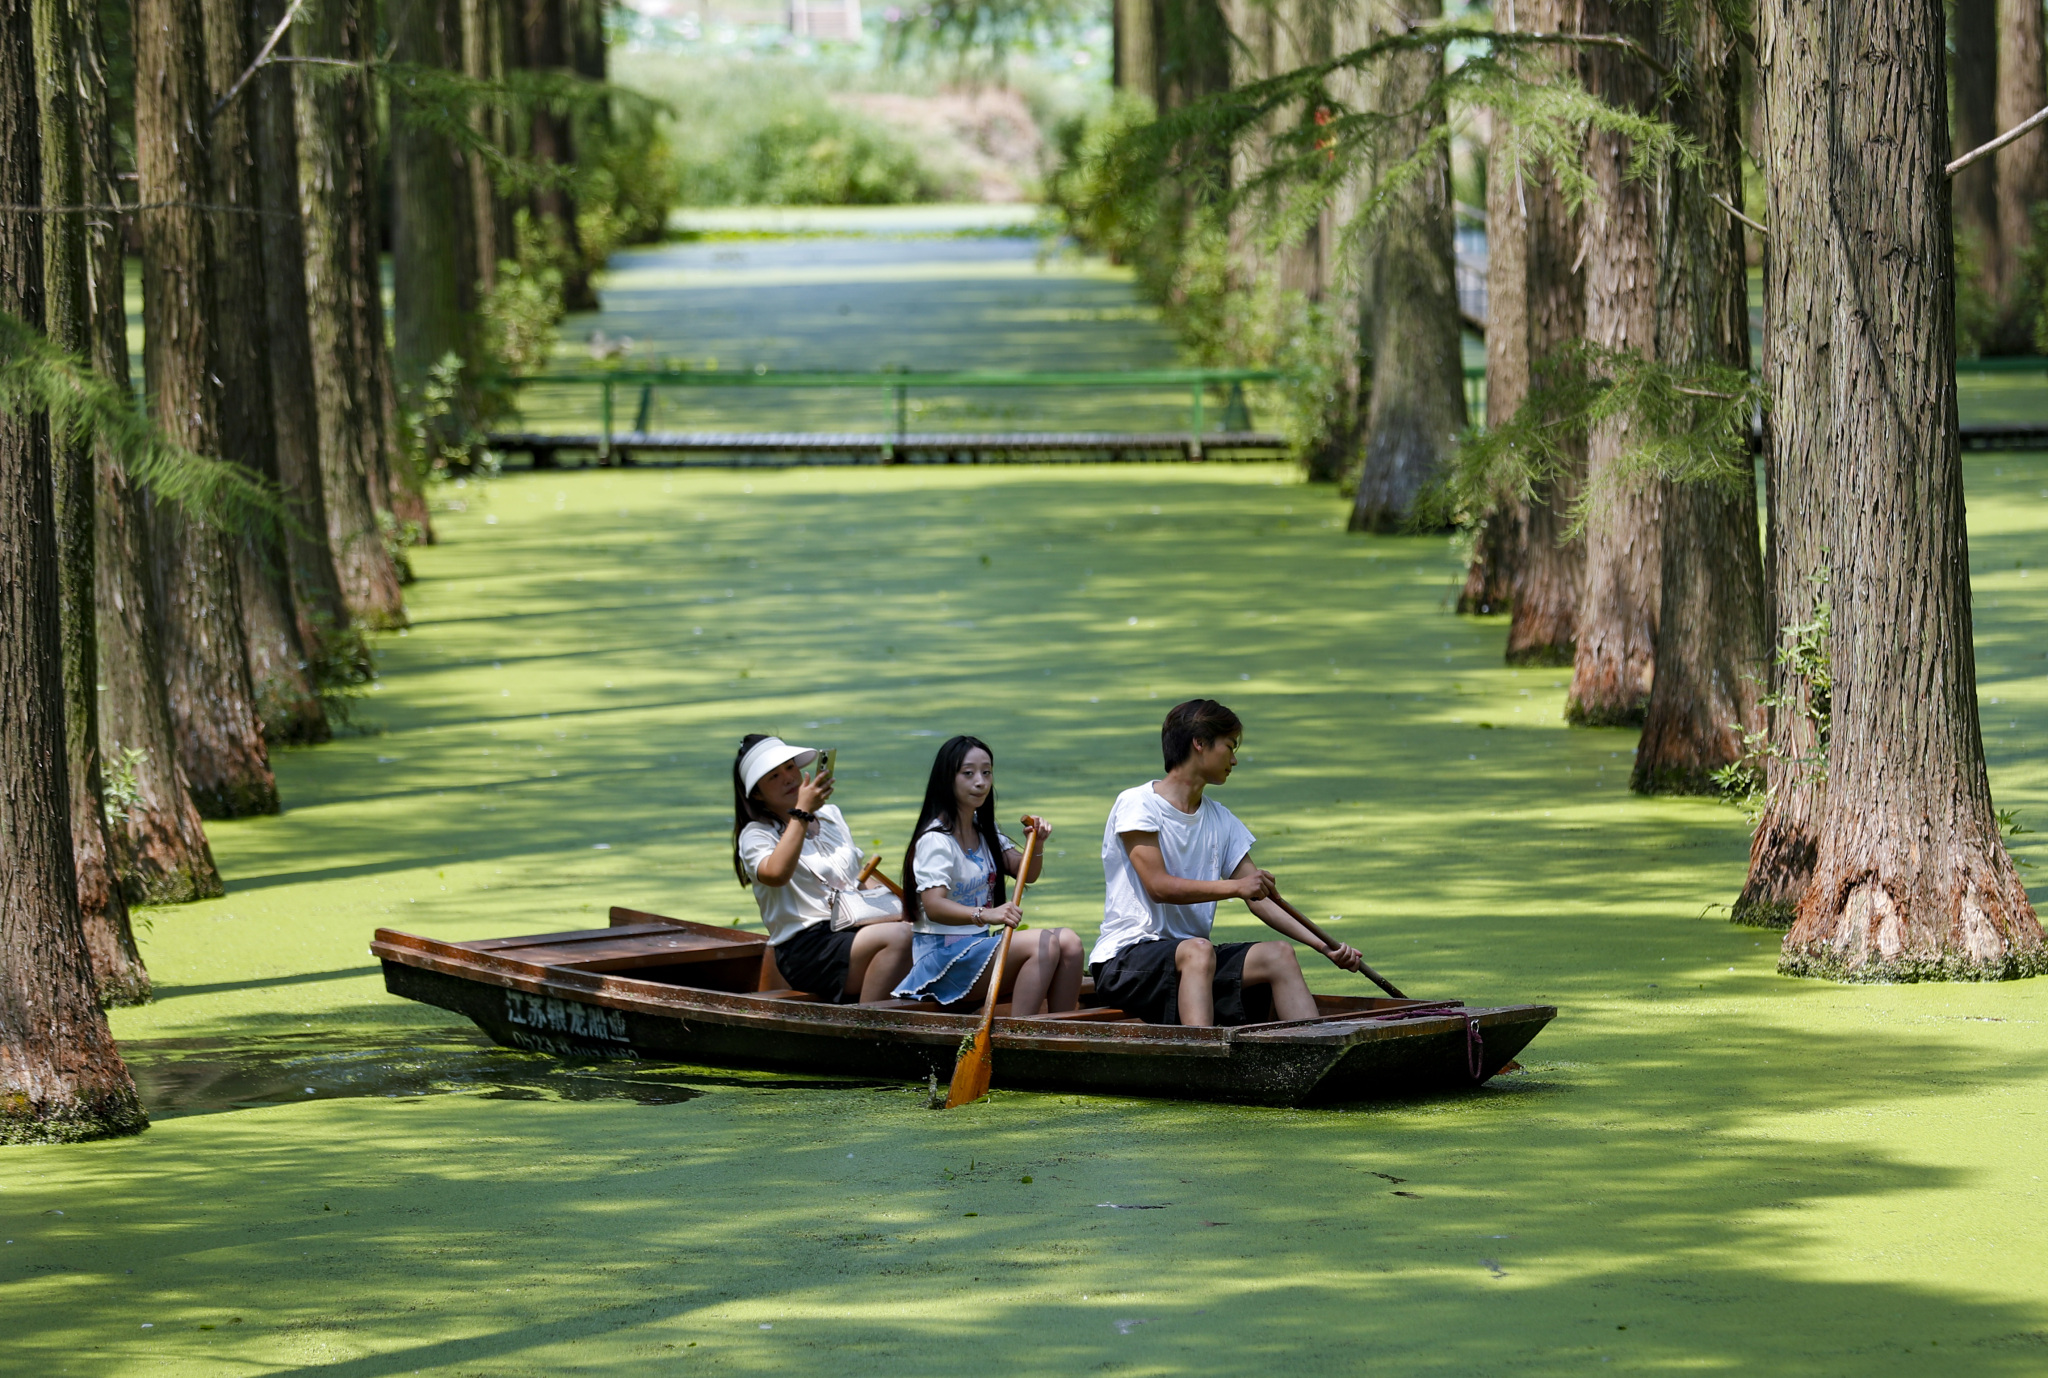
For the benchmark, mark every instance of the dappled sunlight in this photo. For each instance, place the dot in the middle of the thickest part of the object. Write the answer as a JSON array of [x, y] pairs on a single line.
[[1704, 1167]]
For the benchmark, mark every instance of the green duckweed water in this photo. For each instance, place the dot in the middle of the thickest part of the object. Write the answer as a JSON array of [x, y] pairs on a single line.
[[1706, 1167]]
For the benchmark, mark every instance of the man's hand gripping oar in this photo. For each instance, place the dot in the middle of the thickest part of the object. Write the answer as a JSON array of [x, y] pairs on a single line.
[[1382, 982]]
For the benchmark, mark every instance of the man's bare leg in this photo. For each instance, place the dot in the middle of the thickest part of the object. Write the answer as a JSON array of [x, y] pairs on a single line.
[[1196, 959], [879, 959], [1274, 966]]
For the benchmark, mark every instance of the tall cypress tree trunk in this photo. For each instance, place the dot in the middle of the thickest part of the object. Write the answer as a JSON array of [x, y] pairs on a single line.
[[482, 60], [432, 228], [329, 115], [206, 664], [2022, 169], [316, 586], [1974, 41], [1616, 640], [1912, 881], [287, 702], [1551, 576], [1712, 653], [1418, 375], [160, 849], [61, 1077], [1798, 342], [552, 145], [103, 910], [1497, 551], [1136, 59]]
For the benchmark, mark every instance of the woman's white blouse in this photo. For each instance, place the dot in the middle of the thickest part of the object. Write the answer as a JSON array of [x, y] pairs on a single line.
[[967, 880], [829, 861]]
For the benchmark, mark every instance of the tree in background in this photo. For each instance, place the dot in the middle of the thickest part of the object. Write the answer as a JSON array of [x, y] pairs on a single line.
[[1615, 641], [159, 843], [1911, 878], [551, 144], [1550, 572], [288, 704], [206, 662], [1417, 404], [1706, 692], [118, 971], [1973, 44], [61, 1077], [2022, 173], [1798, 340], [333, 200], [322, 610]]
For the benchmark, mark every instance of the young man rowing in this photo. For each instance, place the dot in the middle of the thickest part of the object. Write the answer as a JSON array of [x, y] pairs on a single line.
[[1168, 855]]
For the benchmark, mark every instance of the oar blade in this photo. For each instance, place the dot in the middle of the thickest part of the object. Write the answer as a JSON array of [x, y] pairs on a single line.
[[971, 1072]]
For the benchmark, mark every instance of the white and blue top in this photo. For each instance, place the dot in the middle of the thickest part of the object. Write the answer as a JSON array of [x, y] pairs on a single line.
[[969, 879]]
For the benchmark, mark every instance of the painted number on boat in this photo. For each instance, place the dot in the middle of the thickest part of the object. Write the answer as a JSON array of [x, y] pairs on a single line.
[[546, 1014]]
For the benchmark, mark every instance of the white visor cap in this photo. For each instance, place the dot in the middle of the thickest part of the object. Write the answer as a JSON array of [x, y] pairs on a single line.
[[768, 753]]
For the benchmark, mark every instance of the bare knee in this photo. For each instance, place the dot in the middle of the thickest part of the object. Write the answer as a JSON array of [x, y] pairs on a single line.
[[1195, 954], [1069, 944]]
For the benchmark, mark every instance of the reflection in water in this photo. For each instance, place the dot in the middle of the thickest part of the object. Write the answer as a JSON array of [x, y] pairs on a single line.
[[194, 1076]]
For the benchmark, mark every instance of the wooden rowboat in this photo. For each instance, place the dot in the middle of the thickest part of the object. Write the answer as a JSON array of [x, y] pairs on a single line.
[[675, 991]]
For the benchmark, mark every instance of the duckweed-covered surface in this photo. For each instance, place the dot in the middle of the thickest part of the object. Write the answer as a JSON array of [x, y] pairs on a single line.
[[1706, 1167]]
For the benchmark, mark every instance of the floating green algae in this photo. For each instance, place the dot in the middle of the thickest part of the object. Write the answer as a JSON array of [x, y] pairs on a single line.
[[1706, 1167]]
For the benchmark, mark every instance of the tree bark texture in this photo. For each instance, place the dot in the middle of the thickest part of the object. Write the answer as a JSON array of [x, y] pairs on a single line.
[[160, 849], [483, 60], [206, 662], [552, 144], [1498, 550], [1137, 60], [1418, 373], [61, 1077], [1712, 647], [432, 224], [1615, 649], [1192, 42], [1798, 346], [2022, 170], [295, 409], [1973, 30], [1912, 880], [288, 703], [329, 117], [103, 910], [1552, 572]]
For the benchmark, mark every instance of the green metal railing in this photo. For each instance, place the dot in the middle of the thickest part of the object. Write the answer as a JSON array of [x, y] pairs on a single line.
[[901, 381]]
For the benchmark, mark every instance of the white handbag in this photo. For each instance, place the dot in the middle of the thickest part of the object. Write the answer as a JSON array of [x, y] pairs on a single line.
[[851, 908]]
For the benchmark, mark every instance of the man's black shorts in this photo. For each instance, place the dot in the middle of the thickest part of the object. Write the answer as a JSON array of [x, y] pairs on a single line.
[[1143, 980]]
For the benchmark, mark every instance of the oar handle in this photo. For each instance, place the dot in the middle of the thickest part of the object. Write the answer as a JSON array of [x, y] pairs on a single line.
[[995, 980], [1306, 922], [874, 870]]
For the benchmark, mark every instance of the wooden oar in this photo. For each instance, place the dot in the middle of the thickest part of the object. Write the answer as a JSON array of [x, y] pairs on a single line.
[[1382, 982], [975, 1064], [874, 869]]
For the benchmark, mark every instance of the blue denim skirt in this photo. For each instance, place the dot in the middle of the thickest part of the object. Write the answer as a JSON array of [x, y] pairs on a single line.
[[945, 966]]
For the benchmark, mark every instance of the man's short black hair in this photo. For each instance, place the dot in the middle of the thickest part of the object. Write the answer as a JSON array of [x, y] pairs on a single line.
[[1197, 720]]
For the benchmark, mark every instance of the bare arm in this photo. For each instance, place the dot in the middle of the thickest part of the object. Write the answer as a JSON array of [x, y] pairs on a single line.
[[779, 866], [1166, 888], [1280, 921], [1012, 858]]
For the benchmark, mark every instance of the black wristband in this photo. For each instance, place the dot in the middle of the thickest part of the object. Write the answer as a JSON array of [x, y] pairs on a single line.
[[804, 816]]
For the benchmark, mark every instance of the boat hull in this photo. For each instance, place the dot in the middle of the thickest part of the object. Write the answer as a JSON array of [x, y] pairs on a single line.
[[1380, 1049]]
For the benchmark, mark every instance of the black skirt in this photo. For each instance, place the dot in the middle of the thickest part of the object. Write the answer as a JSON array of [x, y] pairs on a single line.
[[815, 960], [1143, 980]]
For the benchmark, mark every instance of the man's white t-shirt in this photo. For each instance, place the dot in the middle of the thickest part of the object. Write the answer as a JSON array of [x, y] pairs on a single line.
[[1204, 845], [829, 861], [940, 861]]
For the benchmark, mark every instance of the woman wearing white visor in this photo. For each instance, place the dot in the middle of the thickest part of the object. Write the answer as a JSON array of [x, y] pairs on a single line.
[[797, 852]]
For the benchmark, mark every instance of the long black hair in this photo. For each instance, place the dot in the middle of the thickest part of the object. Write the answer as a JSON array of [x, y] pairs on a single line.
[[745, 808], [942, 805]]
